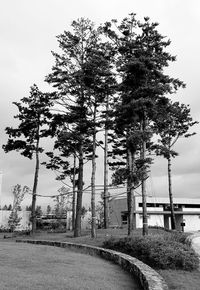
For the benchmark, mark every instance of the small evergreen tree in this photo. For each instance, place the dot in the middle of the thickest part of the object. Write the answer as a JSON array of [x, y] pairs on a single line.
[[10, 207], [18, 193], [48, 210], [38, 211], [28, 208], [13, 221]]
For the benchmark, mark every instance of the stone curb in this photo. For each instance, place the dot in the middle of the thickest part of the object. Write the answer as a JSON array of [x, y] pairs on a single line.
[[149, 278]]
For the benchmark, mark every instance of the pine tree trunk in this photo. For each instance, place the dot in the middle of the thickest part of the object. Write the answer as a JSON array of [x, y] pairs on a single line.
[[173, 220], [105, 195], [144, 203], [74, 195], [93, 224], [130, 193], [77, 230], [66, 219], [144, 194], [35, 191], [130, 209]]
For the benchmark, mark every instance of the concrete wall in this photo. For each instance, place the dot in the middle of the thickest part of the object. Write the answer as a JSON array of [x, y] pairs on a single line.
[[153, 220], [184, 209], [192, 223], [116, 207], [85, 220]]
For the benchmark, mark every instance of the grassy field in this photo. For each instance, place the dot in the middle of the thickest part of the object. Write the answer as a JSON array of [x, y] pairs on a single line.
[[26, 266], [181, 280], [101, 236], [176, 279]]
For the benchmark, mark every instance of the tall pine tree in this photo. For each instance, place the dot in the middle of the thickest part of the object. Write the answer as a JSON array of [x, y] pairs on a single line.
[[142, 57], [34, 117], [172, 121], [75, 86]]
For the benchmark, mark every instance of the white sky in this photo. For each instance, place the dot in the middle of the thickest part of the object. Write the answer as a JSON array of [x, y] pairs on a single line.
[[28, 32]]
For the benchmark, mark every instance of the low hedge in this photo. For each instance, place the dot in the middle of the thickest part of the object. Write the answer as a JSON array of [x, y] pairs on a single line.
[[178, 237], [158, 251]]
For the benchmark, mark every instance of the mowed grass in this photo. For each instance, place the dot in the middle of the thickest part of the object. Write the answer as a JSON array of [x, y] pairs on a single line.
[[176, 279], [26, 266], [181, 280], [101, 236]]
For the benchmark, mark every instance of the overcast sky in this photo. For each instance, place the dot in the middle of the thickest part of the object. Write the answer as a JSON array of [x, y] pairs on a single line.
[[28, 32]]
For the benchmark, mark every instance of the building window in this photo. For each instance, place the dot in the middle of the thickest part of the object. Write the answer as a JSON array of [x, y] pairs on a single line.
[[192, 205], [124, 219], [150, 204]]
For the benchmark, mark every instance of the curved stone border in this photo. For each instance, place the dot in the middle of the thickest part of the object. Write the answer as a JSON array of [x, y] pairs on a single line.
[[149, 278]]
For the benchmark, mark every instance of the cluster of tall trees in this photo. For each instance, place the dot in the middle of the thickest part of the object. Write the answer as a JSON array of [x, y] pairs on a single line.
[[110, 90]]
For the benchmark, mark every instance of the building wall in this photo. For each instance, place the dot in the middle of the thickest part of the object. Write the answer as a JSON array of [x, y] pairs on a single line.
[[158, 209], [153, 220], [117, 206], [24, 223], [190, 209], [192, 223]]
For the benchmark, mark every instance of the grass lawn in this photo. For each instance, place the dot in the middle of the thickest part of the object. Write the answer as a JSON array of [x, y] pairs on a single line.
[[181, 280], [26, 266], [176, 279], [101, 236]]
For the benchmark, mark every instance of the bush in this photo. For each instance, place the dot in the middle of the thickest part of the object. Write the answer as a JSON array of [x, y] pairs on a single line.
[[52, 224], [158, 251], [179, 237]]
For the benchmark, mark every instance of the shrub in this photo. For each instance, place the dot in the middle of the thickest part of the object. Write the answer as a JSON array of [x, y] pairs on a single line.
[[158, 251], [179, 237]]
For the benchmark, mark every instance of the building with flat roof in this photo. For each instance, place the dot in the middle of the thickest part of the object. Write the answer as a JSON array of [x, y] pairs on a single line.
[[187, 212]]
